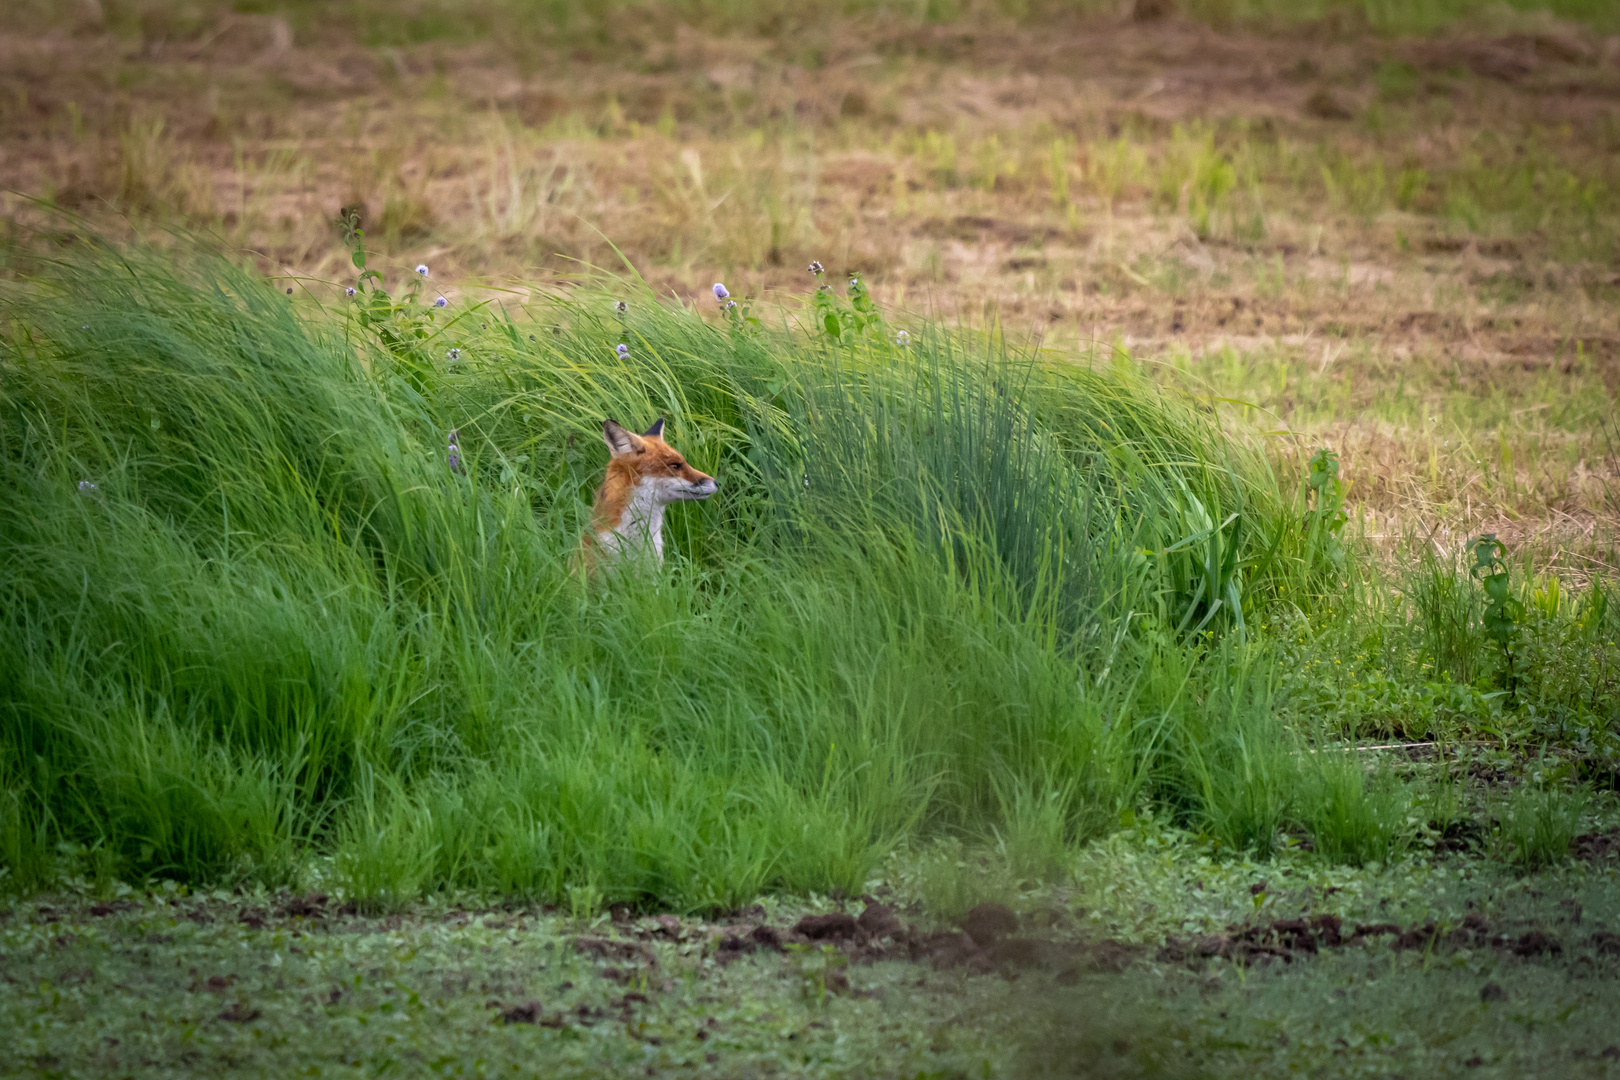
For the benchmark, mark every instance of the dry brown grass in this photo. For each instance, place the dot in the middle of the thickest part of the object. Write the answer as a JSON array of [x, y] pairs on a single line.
[[1404, 249]]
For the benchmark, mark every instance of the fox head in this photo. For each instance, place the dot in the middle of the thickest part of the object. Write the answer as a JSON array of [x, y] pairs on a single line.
[[644, 475], [647, 462]]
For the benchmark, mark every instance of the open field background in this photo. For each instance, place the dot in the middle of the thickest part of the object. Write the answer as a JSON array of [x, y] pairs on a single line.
[[1096, 566], [1402, 246]]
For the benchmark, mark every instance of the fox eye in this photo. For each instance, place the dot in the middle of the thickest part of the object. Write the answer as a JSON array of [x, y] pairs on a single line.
[[676, 464]]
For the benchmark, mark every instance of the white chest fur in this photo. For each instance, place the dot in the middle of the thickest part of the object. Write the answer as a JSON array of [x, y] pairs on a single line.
[[641, 522]]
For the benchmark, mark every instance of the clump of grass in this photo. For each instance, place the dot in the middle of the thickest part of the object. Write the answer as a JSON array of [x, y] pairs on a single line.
[[944, 588], [1352, 817], [1539, 823]]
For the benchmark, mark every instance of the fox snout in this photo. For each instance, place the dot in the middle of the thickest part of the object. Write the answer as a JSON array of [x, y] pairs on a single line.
[[701, 488]]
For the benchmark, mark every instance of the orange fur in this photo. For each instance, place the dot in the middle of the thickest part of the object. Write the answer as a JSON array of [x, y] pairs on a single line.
[[644, 475]]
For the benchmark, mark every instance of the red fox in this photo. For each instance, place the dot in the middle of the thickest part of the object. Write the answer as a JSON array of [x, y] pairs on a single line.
[[644, 475]]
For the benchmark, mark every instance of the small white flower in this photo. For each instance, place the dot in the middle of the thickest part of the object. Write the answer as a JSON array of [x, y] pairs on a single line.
[[421, 268], [440, 302], [854, 283], [816, 268], [349, 291], [87, 487], [454, 355], [620, 306], [902, 339]]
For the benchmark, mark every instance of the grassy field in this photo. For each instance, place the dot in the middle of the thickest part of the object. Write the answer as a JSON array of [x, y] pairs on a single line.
[[1175, 542]]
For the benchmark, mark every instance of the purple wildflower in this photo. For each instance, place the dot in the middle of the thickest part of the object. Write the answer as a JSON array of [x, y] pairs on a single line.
[[902, 339], [421, 268], [720, 292], [623, 350], [350, 291], [816, 268], [440, 302]]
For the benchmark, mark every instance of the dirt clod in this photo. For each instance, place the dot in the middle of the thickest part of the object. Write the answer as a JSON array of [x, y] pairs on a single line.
[[833, 926], [1536, 943], [1419, 937], [527, 1013], [608, 949], [878, 920], [1492, 992], [239, 1012], [988, 923], [312, 906], [1323, 105], [1018, 952], [1594, 846]]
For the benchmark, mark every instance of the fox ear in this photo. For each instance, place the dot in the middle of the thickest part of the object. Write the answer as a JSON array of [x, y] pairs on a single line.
[[619, 440], [657, 430]]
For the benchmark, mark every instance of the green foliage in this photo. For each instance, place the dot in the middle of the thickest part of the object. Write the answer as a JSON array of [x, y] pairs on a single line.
[[1540, 822], [944, 588], [1446, 610], [1326, 516], [1503, 612], [1352, 817], [403, 325], [836, 317]]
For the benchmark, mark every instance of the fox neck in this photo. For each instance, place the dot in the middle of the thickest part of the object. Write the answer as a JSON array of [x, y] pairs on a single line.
[[639, 520]]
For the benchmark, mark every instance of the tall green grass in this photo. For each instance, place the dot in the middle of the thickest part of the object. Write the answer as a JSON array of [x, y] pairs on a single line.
[[946, 589]]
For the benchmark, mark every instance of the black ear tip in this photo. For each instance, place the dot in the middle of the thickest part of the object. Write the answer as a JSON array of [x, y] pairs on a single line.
[[657, 429]]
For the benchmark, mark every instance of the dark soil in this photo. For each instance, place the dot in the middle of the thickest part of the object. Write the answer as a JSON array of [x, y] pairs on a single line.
[[1286, 939], [1596, 846]]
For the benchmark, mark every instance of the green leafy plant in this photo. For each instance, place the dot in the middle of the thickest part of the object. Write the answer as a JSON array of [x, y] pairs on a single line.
[[1325, 515], [1503, 613], [404, 325], [838, 318]]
